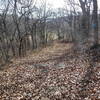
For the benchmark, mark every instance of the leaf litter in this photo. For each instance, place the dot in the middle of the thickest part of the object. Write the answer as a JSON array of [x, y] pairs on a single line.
[[55, 73]]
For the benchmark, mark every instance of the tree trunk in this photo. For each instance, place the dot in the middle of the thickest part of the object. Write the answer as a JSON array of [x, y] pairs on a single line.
[[95, 21]]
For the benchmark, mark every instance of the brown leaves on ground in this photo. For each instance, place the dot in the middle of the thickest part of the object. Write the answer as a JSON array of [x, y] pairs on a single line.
[[54, 73]]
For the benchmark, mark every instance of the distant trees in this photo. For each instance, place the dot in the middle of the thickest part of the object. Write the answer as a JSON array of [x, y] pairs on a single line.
[[22, 27], [4, 32], [27, 24], [84, 15], [58, 21], [86, 6]]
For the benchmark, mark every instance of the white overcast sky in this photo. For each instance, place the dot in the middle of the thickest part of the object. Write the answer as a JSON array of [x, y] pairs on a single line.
[[56, 3], [60, 3]]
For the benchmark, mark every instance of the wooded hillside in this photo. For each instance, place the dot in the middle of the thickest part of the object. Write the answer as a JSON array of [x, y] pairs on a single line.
[[47, 53]]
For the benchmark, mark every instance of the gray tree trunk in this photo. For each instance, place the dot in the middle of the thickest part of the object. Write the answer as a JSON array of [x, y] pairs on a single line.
[[95, 21]]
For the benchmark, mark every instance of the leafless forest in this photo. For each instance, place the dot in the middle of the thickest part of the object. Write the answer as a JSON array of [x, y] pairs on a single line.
[[49, 53]]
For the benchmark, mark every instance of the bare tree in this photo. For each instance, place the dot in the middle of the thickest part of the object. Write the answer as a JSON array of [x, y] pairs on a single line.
[[95, 21], [4, 37]]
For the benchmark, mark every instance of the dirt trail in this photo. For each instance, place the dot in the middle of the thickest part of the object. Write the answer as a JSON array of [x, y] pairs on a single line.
[[48, 54], [54, 73]]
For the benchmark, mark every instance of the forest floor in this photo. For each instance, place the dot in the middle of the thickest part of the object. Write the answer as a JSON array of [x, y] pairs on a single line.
[[56, 72]]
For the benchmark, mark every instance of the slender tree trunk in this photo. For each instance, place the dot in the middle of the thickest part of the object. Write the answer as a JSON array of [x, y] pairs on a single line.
[[95, 21], [85, 22]]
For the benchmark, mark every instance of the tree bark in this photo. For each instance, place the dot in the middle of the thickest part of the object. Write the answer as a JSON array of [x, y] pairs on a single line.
[[95, 21]]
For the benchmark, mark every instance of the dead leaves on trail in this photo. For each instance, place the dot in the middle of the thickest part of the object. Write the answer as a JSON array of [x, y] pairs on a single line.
[[54, 73]]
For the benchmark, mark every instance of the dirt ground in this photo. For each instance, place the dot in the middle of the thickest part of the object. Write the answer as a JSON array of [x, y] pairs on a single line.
[[53, 73]]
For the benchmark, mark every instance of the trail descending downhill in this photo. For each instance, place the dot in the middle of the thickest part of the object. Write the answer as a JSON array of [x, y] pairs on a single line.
[[54, 73]]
